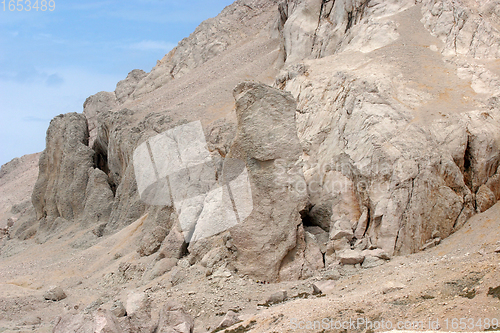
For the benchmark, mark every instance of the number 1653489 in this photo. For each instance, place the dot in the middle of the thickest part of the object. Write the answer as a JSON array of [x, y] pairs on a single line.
[[27, 5]]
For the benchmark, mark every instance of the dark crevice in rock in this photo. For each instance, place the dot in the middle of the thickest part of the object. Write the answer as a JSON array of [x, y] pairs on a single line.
[[101, 158], [184, 250], [306, 217], [355, 16], [367, 223], [467, 167]]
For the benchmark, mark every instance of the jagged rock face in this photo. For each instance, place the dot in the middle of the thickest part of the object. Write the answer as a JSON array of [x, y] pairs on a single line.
[[68, 187], [318, 28], [397, 124], [466, 27], [267, 141], [209, 40], [63, 169], [95, 104], [396, 163], [126, 87]]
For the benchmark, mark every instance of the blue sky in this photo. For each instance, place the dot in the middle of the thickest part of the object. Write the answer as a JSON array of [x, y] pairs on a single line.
[[51, 61]]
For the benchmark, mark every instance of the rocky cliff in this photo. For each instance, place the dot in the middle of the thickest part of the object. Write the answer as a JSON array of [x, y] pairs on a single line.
[[370, 129], [397, 118]]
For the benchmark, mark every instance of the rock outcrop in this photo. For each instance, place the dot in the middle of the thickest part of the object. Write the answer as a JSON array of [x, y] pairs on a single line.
[[380, 137], [267, 141], [388, 142], [69, 188], [64, 164], [385, 159]]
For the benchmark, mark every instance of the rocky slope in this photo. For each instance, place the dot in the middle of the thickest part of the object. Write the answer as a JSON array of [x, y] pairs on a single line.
[[370, 131]]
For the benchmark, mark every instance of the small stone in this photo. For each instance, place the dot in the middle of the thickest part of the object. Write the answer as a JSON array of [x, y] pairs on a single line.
[[339, 234], [350, 257], [229, 320], [378, 253], [331, 274], [118, 310], [278, 297], [430, 244], [316, 290], [497, 250], [392, 286], [54, 294], [371, 262], [137, 301]]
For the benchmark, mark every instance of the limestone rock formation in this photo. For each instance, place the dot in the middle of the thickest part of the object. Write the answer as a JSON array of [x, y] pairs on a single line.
[[385, 159], [98, 322], [173, 318], [386, 163], [380, 137], [126, 87], [267, 141], [68, 187], [64, 164]]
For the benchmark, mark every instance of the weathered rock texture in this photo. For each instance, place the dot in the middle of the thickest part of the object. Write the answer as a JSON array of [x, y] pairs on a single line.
[[387, 158], [267, 141], [389, 143], [381, 137]]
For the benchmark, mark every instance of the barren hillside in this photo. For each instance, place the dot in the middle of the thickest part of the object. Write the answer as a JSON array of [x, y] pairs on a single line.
[[290, 163]]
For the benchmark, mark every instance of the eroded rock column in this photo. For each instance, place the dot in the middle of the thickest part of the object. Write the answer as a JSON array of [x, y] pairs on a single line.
[[267, 141]]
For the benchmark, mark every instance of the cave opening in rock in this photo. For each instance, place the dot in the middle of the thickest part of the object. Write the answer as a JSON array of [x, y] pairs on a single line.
[[184, 250], [307, 220]]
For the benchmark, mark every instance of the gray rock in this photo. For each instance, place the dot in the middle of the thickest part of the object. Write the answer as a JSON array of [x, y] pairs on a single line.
[[312, 255], [340, 244], [377, 253], [326, 287], [497, 250], [350, 257], [336, 234], [430, 244], [485, 198], [54, 294], [126, 87], [267, 141], [162, 266], [151, 242], [392, 286], [321, 236], [101, 321], [316, 290], [277, 297], [137, 302], [173, 245], [331, 274], [98, 198], [93, 106], [451, 156], [229, 320], [177, 275], [371, 262], [173, 318], [63, 170], [117, 309]]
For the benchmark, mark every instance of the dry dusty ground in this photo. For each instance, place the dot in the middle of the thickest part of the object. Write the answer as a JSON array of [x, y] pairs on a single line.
[[456, 279]]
